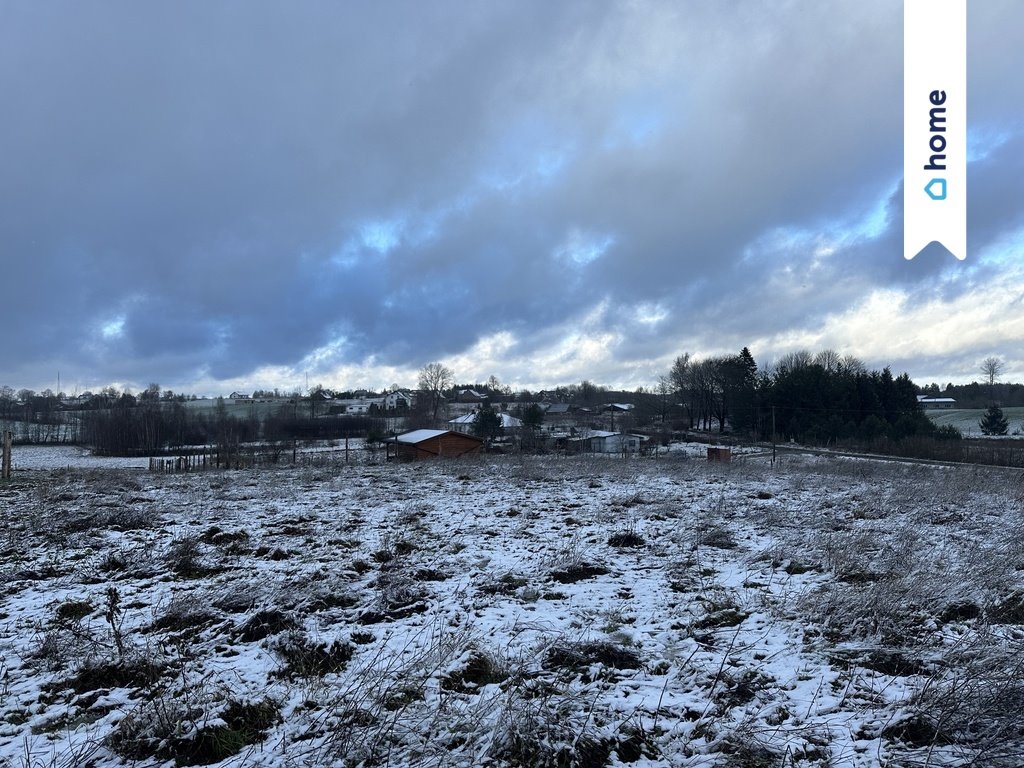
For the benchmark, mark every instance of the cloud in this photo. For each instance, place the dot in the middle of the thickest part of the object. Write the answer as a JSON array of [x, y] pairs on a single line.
[[231, 192]]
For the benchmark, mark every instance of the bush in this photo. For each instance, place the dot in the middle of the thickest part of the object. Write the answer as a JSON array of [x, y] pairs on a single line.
[[303, 657]]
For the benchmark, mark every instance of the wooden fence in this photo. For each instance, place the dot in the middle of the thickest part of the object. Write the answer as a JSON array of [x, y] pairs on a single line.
[[249, 456]]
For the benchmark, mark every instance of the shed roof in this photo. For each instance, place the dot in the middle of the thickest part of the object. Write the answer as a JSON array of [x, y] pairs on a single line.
[[420, 435]]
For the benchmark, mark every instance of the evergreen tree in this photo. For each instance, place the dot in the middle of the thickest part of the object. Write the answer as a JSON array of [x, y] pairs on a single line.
[[487, 424], [738, 390], [532, 417], [993, 422]]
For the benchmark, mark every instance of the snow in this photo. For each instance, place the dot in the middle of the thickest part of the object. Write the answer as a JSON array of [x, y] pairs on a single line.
[[966, 420], [38, 457], [508, 421], [419, 435], [810, 610]]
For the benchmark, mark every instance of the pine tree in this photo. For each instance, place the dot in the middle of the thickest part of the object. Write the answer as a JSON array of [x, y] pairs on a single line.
[[487, 424], [532, 416], [993, 422]]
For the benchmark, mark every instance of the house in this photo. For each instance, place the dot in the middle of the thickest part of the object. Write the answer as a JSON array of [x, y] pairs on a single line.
[[618, 407], [508, 421], [358, 406], [465, 423], [470, 396], [600, 441], [558, 417], [238, 396], [558, 412], [432, 444], [397, 400], [934, 403]]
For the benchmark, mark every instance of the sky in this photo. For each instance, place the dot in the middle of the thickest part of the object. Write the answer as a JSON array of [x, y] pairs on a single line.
[[236, 195]]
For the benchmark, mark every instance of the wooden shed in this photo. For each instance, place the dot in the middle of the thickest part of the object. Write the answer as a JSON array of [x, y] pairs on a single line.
[[432, 444], [722, 455]]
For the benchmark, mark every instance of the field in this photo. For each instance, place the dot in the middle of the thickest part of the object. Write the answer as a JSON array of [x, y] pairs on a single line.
[[966, 419], [514, 612]]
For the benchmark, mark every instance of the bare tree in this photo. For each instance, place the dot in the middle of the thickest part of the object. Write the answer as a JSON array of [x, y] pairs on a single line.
[[702, 386], [992, 369], [677, 373], [853, 364], [828, 359], [664, 389], [794, 361], [434, 379]]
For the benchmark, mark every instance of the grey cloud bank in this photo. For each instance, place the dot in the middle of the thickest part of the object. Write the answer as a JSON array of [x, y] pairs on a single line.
[[229, 192]]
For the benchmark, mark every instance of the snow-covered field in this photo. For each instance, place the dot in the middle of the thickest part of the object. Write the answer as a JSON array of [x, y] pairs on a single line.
[[36, 457], [514, 612], [967, 419], [48, 457]]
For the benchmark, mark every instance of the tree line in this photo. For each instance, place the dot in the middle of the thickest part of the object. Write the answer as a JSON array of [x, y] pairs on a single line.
[[814, 398], [822, 398], [153, 427]]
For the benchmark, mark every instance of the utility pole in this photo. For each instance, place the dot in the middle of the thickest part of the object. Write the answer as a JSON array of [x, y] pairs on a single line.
[[773, 435], [5, 465]]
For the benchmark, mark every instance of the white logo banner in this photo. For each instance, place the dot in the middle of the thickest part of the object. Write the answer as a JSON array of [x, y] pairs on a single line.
[[935, 125]]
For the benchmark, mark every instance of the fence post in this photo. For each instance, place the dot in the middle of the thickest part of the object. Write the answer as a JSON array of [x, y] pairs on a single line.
[[5, 465]]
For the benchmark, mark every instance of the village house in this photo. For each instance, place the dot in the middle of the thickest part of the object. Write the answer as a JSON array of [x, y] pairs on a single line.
[[558, 417], [470, 396], [600, 441], [398, 400], [357, 406], [465, 424]]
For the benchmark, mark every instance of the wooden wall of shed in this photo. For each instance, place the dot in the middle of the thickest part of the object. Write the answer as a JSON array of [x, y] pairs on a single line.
[[449, 445]]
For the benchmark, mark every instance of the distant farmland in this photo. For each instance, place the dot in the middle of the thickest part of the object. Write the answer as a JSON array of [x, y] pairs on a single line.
[[966, 419], [245, 408]]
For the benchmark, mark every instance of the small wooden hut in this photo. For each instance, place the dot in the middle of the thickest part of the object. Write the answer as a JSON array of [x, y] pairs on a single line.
[[432, 444]]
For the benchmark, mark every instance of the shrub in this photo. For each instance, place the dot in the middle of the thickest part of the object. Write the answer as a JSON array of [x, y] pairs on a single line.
[[303, 657], [184, 612], [265, 623], [717, 537], [626, 538], [480, 669], [579, 656], [543, 727], [184, 557], [506, 584]]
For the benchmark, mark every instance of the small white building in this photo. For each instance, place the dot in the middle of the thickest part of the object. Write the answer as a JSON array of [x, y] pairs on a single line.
[[465, 423], [933, 403], [600, 441], [359, 407]]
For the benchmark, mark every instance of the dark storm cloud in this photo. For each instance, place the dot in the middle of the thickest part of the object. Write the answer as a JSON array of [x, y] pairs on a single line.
[[203, 189]]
